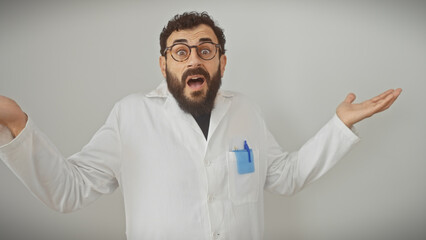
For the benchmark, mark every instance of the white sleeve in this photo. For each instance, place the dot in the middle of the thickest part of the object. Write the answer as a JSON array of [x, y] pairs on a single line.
[[288, 173], [65, 184], [5, 135]]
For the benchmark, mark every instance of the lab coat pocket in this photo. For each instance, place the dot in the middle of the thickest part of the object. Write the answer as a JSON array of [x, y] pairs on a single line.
[[243, 188]]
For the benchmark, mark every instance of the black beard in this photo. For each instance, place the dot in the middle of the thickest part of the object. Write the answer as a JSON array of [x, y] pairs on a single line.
[[196, 107]]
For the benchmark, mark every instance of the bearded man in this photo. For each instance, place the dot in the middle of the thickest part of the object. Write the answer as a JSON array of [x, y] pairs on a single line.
[[192, 160]]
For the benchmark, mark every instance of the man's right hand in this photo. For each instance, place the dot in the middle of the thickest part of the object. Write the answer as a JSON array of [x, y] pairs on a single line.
[[12, 116]]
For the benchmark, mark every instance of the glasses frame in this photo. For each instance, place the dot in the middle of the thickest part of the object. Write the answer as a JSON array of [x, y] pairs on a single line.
[[190, 51]]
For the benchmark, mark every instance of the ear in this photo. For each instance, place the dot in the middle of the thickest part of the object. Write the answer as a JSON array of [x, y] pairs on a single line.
[[222, 64], [163, 65]]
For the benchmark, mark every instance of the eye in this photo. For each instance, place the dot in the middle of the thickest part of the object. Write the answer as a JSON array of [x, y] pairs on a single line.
[[205, 51], [181, 52]]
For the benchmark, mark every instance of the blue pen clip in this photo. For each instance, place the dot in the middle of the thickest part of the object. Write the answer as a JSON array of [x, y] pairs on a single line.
[[246, 147]]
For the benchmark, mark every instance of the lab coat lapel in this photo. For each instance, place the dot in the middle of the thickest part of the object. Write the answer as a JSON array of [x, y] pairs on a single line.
[[222, 104], [171, 107], [221, 107]]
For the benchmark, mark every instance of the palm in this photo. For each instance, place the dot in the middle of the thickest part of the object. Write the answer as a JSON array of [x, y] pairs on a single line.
[[351, 113]]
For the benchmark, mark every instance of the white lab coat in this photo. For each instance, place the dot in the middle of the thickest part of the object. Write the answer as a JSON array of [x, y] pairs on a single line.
[[175, 183]]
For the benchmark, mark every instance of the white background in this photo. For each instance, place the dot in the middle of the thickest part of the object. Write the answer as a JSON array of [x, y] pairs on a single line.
[[66, 63]]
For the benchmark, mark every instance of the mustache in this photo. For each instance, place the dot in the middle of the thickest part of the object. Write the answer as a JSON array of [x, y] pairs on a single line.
[[196, 71]]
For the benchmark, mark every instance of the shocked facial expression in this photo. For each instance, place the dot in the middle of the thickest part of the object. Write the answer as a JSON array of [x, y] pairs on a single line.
[[192, 80]]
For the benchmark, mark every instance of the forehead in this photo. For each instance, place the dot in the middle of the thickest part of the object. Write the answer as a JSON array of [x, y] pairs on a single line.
[[193, 35]]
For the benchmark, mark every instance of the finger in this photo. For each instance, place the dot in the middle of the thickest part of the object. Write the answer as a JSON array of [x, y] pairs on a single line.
[[385, 103], [389, 104], [395, 95], [381, 96], [397, 92], [350, 98]]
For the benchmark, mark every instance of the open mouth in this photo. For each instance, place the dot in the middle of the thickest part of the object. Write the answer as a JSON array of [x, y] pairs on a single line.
[[195, 82]]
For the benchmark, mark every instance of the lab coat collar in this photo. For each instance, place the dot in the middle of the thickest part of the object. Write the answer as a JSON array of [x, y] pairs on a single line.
[[222, 104]]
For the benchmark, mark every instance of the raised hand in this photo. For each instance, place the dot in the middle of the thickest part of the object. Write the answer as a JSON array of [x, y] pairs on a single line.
[[12, 116], [351, 113]]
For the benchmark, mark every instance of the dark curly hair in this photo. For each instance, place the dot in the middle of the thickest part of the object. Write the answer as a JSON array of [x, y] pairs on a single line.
[[189, 20]]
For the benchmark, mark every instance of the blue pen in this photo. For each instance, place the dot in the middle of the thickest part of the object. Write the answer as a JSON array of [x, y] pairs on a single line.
[[246, 147]]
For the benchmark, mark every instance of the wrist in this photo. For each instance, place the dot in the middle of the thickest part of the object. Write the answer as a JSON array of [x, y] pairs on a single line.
[[348, 123], [18, 125]]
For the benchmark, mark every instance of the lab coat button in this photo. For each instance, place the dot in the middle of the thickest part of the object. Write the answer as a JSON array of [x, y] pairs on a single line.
[[216, 236], [210, 197], [208, 163]]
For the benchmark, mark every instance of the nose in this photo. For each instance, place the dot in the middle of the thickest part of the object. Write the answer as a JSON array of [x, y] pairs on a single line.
[[194, 60]]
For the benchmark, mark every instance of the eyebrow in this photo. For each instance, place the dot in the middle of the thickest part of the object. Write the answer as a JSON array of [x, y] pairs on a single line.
[[186, 41], [205, 40], [180, 41]]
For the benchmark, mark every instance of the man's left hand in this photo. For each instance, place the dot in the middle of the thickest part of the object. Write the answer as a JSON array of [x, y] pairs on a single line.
[[351, 113]]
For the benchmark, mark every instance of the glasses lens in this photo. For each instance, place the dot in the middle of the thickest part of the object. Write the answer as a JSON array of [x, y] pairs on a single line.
[[206, 51], [180, 52]]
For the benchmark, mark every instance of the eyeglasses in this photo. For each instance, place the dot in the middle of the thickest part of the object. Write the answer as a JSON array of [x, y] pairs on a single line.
[[181, 51]]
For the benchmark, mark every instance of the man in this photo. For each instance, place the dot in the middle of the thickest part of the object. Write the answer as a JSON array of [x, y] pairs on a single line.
[[192, 161]]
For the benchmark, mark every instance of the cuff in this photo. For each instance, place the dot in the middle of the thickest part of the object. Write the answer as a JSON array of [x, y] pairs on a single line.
[[351, 133], [7, 141]]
